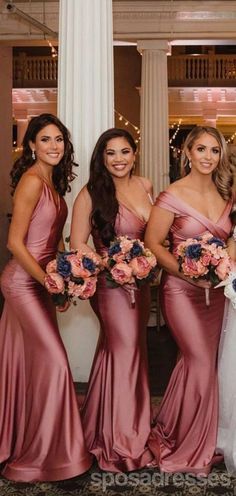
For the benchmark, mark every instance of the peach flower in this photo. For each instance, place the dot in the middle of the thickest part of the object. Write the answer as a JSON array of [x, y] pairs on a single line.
[[77, 268], [83, 291], [51, 266], [121, 273], [192, 268], [54, 283], [126, 244], [223, 268], [140, 267]]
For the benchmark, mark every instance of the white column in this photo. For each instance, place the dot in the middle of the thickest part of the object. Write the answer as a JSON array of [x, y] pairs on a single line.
[[86, 106], [5, 147], [154, 117]]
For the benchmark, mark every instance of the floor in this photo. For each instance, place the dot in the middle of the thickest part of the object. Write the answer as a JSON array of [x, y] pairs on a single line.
[[144, 482], [162, 357]]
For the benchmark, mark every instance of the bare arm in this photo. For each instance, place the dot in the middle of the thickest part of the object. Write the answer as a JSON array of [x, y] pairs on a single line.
[[231, 248], [26, 197], [80, 224], [158, 227], [157, 231]]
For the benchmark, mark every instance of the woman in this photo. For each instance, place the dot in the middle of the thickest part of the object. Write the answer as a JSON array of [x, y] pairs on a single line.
[[184, 437], [40, 429], [226, 439], [116, 410]]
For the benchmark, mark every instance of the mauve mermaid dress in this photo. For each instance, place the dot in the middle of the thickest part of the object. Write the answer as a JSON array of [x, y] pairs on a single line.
[[41, 437], [116, 411], [184, 437]]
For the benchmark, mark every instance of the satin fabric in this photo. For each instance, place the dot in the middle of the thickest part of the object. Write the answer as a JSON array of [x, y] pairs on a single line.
[[116, 411], [226, 438], [40, 429], [184, 438]]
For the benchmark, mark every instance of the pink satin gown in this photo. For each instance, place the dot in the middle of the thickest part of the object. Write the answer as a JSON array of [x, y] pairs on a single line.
[[184, 438], [116, 412], [41, 437]]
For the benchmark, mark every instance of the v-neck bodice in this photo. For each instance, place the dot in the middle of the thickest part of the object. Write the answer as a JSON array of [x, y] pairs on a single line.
[[127, 224], [188, 222]]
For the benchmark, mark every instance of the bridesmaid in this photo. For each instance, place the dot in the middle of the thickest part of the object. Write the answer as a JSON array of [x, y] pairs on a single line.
[[41, 437], [226, 437], [184, 437], [116, 411]]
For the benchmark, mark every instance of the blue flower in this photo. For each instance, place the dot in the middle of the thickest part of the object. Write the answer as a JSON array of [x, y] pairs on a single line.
[[194, 251], [115, 248], [216, 241], [234, 284], [63, 265], [89, 264], [136, 250]]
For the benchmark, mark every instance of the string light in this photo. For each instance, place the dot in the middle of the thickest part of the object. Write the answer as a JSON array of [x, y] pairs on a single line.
[[53, 49], [176, 132], [231, 139], [128, 123]]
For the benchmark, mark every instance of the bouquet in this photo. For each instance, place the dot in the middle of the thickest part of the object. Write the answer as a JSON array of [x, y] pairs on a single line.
[[72, 274], [204, 257], [129, 264]]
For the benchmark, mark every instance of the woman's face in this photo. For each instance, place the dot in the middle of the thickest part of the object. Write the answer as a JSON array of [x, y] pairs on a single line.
[[204, 154], [49, 145], [119, 157]]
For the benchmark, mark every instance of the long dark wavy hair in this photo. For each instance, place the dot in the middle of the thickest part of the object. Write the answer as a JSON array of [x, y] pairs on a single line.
[[222, 175], [101, 186], [62, 173]]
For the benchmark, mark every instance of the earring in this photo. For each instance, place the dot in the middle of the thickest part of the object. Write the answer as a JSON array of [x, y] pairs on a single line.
[[33, 155], [190, 164]]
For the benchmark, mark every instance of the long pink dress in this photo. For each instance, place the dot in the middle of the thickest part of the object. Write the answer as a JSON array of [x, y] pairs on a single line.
[[40, 429], [116, 412], [186, 425]]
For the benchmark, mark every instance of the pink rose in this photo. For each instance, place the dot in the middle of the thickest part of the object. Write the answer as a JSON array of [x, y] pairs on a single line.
[[54, 283], [77, 268], [223, 268], [51, 266], [126, 245], [140, 267], [206, 259], [121, 273], [192, 268], [85, 290], [89, 288], [152, 260], [119, 257]]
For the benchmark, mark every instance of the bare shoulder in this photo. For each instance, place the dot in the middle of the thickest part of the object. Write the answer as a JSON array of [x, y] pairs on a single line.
[[30, 185], [177, 187], [83, 197], [147, 184]]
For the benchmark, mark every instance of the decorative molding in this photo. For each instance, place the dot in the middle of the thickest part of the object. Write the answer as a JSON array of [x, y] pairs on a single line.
[[174, 20], [134, 20]]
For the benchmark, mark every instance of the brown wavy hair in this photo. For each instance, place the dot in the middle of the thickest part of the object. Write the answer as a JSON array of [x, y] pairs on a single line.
[[101, 186], [222, 175], [62, 173]]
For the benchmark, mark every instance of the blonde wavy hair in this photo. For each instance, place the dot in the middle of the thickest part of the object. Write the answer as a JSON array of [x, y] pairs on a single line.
[[232, 161], [222, 175]]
